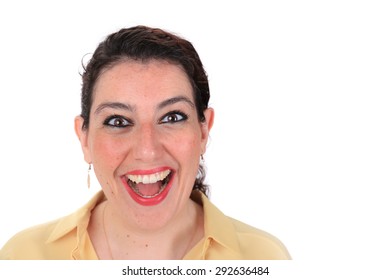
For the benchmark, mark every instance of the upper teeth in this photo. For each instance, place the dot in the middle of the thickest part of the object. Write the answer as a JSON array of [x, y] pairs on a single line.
[[149, 179]]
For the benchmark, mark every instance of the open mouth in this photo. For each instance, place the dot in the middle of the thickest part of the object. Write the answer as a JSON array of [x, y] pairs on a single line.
[[151, 185]]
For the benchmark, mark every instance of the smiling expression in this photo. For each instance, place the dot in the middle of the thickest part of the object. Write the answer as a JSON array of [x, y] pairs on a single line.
[[145, 139]]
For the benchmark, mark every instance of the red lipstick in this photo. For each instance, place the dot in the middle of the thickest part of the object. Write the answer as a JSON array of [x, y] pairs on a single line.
[[146, 200]]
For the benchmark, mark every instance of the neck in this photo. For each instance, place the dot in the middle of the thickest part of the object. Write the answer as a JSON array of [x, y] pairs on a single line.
[[172, 241]]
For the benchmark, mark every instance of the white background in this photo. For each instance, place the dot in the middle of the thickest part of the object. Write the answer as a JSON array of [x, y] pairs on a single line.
[[301, 142]]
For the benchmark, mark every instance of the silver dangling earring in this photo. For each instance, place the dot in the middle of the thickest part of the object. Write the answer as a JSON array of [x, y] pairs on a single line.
[[89, 177], [202, 158]]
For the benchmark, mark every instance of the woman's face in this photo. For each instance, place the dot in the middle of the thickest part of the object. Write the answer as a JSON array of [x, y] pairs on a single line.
[[145, 140]]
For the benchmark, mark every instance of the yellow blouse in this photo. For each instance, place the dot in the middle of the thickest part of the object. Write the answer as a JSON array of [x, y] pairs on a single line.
[[67, 238]]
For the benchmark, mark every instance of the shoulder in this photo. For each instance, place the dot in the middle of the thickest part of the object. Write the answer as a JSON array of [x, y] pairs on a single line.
[[258, 244], [30, 243], [241, 240], [53, 240]]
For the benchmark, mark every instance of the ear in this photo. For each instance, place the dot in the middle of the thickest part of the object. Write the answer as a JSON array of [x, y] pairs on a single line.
[[206, 127], [82, 134]]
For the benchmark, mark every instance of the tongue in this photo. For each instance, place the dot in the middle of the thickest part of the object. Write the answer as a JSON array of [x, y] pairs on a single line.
[[149, 189]]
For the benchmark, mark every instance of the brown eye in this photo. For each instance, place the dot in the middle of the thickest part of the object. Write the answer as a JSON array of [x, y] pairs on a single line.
[[117, 121], [174, 117]]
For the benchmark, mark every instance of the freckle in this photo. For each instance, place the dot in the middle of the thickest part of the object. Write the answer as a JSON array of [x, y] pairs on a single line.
[[146, 245], [128, 236]]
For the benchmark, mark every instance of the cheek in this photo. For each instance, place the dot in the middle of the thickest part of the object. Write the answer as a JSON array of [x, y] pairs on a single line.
[[187, 148], [107, 152]]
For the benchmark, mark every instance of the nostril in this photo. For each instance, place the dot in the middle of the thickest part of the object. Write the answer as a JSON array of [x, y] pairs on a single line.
[[147, 146]]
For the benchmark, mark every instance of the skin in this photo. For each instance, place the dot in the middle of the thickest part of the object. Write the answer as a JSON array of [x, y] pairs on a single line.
[[157, 137]]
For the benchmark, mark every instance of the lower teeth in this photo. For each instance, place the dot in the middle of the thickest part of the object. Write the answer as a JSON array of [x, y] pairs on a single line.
[[135, 188]]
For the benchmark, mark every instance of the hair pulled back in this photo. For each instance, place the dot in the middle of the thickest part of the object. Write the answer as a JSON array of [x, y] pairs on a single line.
[[142, 43]]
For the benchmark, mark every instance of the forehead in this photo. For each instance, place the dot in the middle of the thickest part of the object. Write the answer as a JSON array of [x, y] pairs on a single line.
[[150, 80]]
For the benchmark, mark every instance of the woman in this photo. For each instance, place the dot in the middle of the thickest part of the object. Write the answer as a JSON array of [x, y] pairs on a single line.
[[144, 127]]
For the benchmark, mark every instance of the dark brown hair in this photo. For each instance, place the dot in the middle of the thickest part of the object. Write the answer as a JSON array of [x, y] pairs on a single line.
[[142, 43]]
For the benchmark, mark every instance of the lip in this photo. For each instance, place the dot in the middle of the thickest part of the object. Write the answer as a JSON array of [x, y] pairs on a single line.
[[153, 200], [149, 171]]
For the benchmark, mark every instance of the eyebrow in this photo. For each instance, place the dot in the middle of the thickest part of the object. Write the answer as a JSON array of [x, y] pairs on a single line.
[[127, 107], [174, 100], [113, 105]]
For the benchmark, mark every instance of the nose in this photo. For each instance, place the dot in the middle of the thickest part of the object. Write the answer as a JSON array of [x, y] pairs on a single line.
[[146, 145]]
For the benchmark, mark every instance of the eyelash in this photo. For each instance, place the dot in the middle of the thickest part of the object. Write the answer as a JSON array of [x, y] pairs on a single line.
[[117, 121], [180, 117], [115, 118]]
